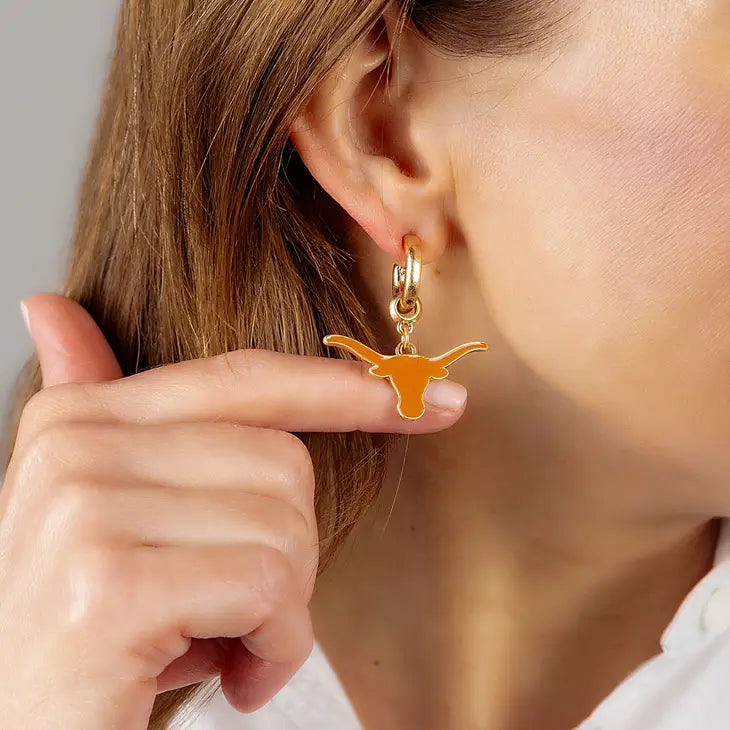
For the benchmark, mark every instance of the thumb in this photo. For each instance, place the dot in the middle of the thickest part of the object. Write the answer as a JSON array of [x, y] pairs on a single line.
[[70, 346]]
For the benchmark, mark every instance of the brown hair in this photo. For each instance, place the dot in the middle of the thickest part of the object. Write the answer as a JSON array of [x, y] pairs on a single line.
[[200, 230]]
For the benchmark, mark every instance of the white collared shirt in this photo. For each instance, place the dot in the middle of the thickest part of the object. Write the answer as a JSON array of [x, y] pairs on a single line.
[[684, 687]]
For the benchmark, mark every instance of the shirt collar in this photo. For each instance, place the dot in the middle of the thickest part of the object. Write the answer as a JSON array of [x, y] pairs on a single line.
[[705, 612]]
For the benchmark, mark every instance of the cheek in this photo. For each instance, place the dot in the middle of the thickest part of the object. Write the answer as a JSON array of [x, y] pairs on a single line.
[[599, 216]]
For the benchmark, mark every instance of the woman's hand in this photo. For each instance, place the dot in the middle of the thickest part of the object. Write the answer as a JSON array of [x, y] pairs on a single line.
[[158, 530]]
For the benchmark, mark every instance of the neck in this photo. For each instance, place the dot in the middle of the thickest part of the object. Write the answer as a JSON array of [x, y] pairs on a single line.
[[522, 564]]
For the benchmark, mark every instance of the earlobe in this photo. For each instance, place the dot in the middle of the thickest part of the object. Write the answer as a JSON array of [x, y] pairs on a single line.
[[355, 137]]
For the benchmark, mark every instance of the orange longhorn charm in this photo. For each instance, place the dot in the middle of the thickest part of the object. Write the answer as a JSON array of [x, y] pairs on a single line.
[[408, 374]]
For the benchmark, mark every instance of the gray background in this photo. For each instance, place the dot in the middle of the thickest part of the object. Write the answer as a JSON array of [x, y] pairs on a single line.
[[53, 59]]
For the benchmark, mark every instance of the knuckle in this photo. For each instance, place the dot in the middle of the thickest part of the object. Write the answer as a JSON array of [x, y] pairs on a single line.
[[295, 530], [275, 578], [50, 405], [97, 579], [46, 460], [55, 451], [296, 463], [37, 411], [295, 536], [51, 401], [72, 509], [39, 461], [52, 442]]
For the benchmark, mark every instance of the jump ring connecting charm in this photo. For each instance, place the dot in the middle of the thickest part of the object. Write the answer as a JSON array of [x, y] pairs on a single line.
[[405, 346], [408, 372]]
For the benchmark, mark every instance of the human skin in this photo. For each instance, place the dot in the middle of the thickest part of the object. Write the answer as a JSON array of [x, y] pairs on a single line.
[[573, 205], [159, 530]]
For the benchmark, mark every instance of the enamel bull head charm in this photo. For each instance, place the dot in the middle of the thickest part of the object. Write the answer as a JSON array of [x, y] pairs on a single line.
[[408, 372]]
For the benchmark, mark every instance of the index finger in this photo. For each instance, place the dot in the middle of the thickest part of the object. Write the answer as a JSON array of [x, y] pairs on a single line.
[[269, 390]]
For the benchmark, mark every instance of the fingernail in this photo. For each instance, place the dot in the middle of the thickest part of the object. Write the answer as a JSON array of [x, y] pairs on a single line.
[[445, 394], [26, 317]]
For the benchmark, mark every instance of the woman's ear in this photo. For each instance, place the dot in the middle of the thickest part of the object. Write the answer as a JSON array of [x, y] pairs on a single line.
[[358, 137]]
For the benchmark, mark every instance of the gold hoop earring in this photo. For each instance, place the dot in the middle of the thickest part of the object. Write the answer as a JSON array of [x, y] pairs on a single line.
[[408, 372]]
